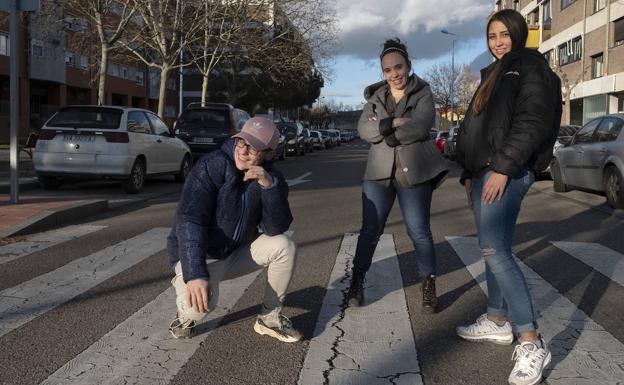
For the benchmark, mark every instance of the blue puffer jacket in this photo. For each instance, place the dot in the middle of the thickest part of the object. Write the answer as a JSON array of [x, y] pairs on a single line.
[[219, 212]]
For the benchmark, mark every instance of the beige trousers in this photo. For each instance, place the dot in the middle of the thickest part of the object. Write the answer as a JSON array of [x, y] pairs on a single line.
[[276, 253]]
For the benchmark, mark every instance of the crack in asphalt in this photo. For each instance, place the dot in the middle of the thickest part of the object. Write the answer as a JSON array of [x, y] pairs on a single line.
[[393, 377], [335, 324]]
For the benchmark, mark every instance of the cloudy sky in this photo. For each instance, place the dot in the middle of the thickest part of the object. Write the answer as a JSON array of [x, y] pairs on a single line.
[[365, 24]]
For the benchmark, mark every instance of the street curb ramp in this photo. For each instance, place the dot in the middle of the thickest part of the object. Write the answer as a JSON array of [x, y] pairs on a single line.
[[55, 218]]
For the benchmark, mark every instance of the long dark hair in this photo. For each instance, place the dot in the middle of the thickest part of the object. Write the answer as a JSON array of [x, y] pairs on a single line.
[[518, 31]]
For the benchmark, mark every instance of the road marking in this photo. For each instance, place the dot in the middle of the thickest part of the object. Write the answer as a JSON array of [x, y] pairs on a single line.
[[583, 352], [22, 303], [600, 258], [298, 180], [140, 350], [368, 345], [43, 241]]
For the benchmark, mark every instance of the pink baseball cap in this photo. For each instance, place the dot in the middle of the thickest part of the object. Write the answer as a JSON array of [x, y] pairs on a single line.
[[260, 133]]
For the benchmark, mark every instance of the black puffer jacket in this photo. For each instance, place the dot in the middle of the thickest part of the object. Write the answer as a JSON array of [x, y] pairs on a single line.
[[218, 211], [519, 127]]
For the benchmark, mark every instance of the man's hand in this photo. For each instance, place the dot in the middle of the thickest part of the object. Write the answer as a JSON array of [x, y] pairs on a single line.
[[494, 187], [198, 294], [260, 174], [468, 187]]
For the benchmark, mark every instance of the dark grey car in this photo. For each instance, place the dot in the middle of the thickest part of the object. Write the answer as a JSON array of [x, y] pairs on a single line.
[[593, 160]]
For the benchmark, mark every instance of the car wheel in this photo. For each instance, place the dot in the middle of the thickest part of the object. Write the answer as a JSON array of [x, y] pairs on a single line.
[[612, 182], [185, 168], [557, 177], [135, 182], [49, 182]]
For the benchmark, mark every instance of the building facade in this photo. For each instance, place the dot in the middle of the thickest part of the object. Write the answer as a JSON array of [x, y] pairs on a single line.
[[58, 68], [583, 40]]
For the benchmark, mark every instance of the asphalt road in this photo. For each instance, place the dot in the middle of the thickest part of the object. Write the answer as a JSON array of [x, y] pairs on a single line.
[[577, 299]]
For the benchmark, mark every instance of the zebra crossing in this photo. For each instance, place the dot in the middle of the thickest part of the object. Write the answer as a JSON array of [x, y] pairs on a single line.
[[370, 345]]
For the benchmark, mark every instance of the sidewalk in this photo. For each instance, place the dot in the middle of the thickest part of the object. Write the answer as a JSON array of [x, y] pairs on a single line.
[[35, 213]]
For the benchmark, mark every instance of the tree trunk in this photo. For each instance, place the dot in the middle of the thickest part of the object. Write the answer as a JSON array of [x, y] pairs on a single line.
[[204, 96], [162, 95], [102, 75], [567, 108]]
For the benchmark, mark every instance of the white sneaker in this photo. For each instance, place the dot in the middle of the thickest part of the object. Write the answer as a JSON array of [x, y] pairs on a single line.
[[530, 362], [485, 330]]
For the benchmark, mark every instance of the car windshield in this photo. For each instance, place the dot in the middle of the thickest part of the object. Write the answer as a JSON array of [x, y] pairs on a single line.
[[289, 131], [206, 120], [87, 117]]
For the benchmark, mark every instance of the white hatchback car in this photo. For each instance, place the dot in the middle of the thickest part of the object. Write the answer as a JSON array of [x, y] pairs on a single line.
[[108, 142]]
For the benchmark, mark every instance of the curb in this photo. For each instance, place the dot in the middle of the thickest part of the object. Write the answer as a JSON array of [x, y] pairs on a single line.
[[55, 217]]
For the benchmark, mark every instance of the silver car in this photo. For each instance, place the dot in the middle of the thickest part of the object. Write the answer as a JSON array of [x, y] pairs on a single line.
[[593, 160], [108, 142]]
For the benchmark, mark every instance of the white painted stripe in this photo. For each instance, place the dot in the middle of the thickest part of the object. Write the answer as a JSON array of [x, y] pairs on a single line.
[[22, 303], [43, 241], [583, 352], [372, 344], [608, 262], [140, 350]]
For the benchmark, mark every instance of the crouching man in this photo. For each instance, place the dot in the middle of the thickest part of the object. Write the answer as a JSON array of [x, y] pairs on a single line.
[[229, 194]]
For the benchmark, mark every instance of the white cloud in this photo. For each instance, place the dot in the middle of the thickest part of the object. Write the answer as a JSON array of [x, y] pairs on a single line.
[[365, 24]]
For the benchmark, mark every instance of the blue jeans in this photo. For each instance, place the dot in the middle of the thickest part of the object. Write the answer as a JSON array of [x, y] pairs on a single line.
[[508, 294], [415, 203]]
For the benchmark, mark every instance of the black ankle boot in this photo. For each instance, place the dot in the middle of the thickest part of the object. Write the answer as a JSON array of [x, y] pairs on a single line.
[[429, 301], [355, 295]]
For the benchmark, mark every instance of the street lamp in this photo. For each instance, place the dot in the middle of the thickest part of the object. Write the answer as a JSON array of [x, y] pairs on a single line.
[[444, 31]]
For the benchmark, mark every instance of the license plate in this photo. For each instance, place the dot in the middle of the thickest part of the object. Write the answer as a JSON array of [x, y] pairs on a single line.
[[78, 138], [203, 140]]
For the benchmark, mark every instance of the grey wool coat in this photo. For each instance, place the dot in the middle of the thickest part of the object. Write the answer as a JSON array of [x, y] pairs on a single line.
[[420, 158]]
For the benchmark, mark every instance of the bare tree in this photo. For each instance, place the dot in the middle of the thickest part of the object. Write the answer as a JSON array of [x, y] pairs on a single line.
[[221, 22], [467, 85], [567, 86], [154, 36], [110, 19]]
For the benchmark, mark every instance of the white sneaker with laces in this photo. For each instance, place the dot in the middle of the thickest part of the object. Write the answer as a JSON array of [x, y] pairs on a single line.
[[531, 360], [485, 330]]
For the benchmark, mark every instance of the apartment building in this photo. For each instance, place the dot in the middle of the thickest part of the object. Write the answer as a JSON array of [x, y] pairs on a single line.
[[58, 68], [583, 40]]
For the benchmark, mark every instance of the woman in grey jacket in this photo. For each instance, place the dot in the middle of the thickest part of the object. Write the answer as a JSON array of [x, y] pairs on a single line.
[[402, 162]]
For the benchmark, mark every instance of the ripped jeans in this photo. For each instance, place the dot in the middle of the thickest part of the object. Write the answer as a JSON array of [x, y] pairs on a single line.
[[508, 293]]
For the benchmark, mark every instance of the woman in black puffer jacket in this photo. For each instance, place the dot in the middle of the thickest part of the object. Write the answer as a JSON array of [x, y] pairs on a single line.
[[507, 134]]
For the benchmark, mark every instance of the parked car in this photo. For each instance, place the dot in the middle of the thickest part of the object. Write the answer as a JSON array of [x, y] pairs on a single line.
[[441, 140], [327, 137], [294, 139], [593, 159], [280, 150], [450, 143], [108, 142], [205, 128], [566, 132], [336, 136], [307, 139], [317, 140]]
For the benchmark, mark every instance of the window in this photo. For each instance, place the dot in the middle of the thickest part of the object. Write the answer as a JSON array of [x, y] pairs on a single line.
[[70, 58], [170, 111], [618, 31], [171, 84], [140, 78], [599, 5], [586, 133], [158, 127], [36, 48], [113, 69], [125, 73], [609, 129], [548, 57], [547, 13], [597, 66], [5, 45], [571, 51], [137, 122], [566, 3]]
